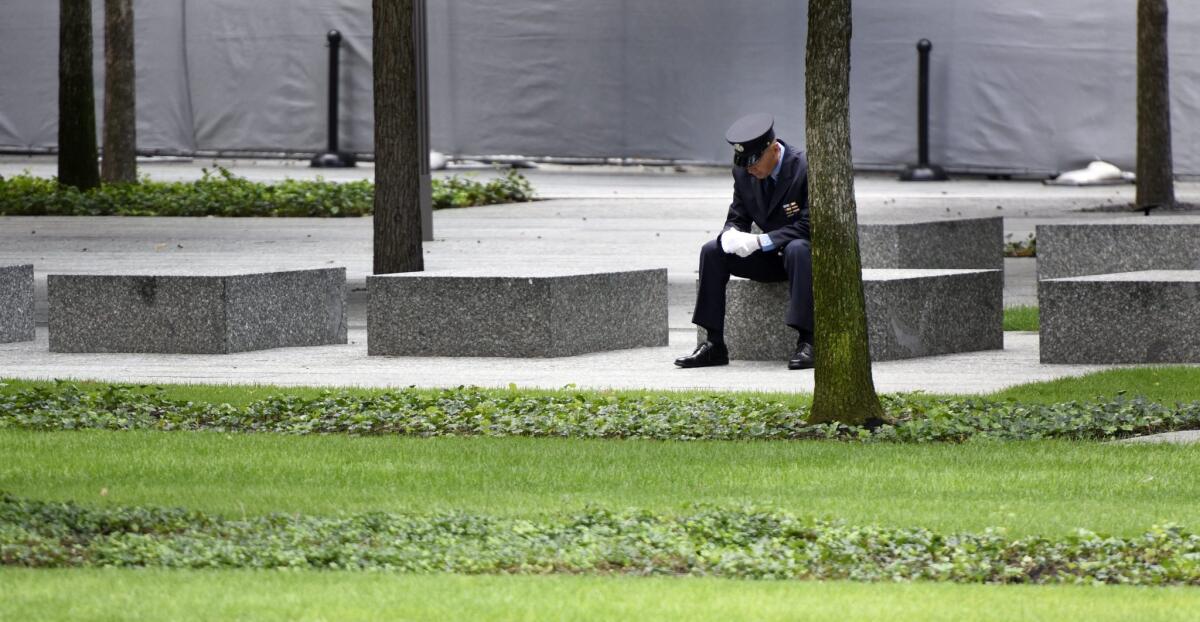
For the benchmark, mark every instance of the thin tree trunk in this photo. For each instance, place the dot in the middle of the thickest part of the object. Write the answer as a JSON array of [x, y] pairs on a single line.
[[397, 144], [120, 125], [1155, 176], [845, 390], [76, 100]]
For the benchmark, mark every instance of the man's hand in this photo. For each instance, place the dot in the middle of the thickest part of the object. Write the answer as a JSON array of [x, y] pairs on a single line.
[[739, 243]]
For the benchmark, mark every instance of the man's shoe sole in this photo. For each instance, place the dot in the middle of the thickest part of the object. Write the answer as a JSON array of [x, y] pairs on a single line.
[[713, 364]]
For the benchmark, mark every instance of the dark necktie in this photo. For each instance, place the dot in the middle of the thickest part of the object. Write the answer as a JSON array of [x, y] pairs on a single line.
[[769, 188]]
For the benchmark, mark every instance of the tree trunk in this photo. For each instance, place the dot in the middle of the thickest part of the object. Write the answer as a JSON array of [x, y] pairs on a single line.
[[845, 390], [1155, 176], [120, 125], [76, 101], [397, 143]]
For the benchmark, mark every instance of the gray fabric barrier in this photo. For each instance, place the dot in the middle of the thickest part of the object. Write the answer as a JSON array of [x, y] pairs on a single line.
[[1020, 86]]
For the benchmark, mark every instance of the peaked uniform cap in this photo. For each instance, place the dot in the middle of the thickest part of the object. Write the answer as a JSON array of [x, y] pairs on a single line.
[[750, 136]]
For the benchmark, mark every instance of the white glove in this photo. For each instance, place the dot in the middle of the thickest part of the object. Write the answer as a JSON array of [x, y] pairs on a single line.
[[739, 243]]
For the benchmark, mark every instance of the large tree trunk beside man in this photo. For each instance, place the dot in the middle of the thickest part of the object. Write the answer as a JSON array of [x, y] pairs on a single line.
[[845, 390], [776, 187]]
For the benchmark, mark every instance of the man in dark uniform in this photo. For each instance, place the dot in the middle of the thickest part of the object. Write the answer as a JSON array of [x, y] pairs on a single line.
[[770, 189]]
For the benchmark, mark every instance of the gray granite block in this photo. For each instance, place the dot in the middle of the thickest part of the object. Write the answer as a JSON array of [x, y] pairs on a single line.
[[910, 313], [542, 314], [197, 313], [1127, 245], [1149, 316], [976, 243], [16, 303]]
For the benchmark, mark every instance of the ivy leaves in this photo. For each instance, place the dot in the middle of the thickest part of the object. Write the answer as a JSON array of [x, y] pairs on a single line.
[[469, 411]]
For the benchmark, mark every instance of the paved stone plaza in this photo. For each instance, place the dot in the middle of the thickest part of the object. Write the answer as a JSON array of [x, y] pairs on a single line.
[[595, 219]]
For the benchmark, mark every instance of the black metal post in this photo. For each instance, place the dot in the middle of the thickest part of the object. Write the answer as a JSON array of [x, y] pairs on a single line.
[[923, 170], [332, 158], [421, 51]]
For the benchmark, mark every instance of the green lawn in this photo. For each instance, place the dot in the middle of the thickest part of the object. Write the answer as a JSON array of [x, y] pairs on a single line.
[[248, 595], [1021, 318], [1048, 488], [1167, 384]]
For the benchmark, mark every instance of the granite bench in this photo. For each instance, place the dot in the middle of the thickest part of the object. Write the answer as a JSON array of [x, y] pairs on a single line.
[[546, 313], [976, 243], [910, 313], [1148, 316], [16, 303], [196, 313], [1125, 245]]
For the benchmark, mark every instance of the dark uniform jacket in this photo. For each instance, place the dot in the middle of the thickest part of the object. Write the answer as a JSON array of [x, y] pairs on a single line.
[[784, 214]]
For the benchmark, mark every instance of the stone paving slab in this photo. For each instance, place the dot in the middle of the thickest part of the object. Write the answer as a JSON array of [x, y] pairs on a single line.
[[349, 365]]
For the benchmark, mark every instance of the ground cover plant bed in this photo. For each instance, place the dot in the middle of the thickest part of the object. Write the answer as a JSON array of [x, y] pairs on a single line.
[[467, 411], [208, 522], [186, 595], [1044, 488], [731, 543], [221, 193]]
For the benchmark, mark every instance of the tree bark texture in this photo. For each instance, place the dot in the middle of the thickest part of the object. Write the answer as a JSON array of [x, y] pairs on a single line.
[[845, 390], [76, 99], [398, 154], [1155, 175], [120, 123]]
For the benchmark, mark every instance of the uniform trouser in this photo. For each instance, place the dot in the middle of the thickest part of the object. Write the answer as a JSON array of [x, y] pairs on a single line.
[[793, 264]]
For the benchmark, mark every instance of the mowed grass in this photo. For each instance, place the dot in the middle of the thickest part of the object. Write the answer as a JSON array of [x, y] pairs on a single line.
[[1165, 384], [1046, 488], [1022, 317], [250, 595]]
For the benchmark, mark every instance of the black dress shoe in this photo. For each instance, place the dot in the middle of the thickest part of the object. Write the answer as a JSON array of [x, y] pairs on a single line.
[[707, 354], [803, 357]]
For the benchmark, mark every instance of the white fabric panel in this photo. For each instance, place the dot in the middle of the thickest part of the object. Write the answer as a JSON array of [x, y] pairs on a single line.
[[164, 107], [28, 74], [259, 72], [1018, 86]]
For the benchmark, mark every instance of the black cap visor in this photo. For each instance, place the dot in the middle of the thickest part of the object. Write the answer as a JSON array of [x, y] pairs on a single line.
[[747, 158]]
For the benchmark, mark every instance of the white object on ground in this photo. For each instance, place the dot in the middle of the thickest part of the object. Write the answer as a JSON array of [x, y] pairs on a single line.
[[1096, 173], [437, 160]]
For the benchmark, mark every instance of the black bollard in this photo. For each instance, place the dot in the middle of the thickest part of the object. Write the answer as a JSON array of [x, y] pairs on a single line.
[[332, 158], [923, 170]]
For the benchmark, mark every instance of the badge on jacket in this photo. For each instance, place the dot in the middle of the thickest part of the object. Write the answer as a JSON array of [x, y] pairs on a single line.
[[791, 209]]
